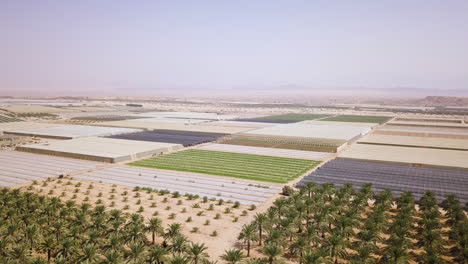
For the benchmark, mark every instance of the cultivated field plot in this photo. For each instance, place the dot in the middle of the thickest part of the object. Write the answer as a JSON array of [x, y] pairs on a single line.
[[23, 125], [423, 142], [22, 168], [275, 152], [185, 138], [429, 122], [239, 124], [183, 182], [33, 109], [101, 149], [245, 166], [398, 178], [188, 115], [423, 156], [338, 124], [296, 143], [341, 132], [71, 131], [201, 127], [285, 118], [7, 119], [424, 131], [359, 119], [104, 118]]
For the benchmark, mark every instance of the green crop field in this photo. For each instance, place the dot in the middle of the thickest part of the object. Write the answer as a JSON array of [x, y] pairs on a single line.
[[358, 118], [245, 166], [294, 117]]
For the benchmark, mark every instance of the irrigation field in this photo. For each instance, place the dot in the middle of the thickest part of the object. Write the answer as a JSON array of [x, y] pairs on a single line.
[[398, 178], [358, 119], [284, 142], [21, 168], [275, 152], [71, 131], [284, 119], [245, 166], [186, 138], [183, 182], [104, 118], [7, 119]]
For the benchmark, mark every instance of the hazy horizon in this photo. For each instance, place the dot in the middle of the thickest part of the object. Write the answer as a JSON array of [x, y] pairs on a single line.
[[150, 47]]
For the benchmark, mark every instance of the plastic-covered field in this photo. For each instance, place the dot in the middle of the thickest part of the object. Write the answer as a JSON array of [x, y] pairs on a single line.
[[22, 168], [275, 152], [188, 115], [185, 138], [245, 166], [395, 177], [342, 132], [101, 149], [359, 118], [23, 125], [200, 127], [71, 131], [7, 119], [424, 131], [104, 118], [285, 118], [297, 143], [182, 182], [408, 141], [423, 156]]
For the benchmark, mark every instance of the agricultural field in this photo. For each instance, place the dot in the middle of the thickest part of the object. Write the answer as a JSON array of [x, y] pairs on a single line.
[[185, 138], [293, 143], [183, 182], [275, 152], [421, 142], [245, 166], [101, 149], [71, 131], [19, 168], [213, 222], [358, 119], [398, 178], [424, 131], [326, 224], [408, 155], [315, 130], [284, 119], [103, 118], [8, 119]]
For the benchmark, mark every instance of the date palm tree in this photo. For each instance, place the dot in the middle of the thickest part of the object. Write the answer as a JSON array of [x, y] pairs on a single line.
[[155, 227], [233, 256], [248, 234], [196, 252], [272, 251]]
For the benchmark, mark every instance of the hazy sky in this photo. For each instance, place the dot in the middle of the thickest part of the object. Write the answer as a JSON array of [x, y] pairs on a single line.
[[131, 46]]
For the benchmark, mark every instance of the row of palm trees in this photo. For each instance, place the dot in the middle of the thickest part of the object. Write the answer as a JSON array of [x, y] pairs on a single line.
[[38, 229], [325, 224]]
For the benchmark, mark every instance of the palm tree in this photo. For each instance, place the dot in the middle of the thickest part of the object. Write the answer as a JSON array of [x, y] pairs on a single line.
[[272, 251], [259, 221], [155, 227], [112, 257], [136, 251], [314, 257], [178, 244], [172, 231], [179, 260], [336, 246], [248, 234], [196, 252], [48, 245], [232, 256], [156, 255]]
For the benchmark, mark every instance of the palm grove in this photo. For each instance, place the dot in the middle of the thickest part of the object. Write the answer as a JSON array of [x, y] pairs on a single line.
[[37, 229], [323, 224]]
